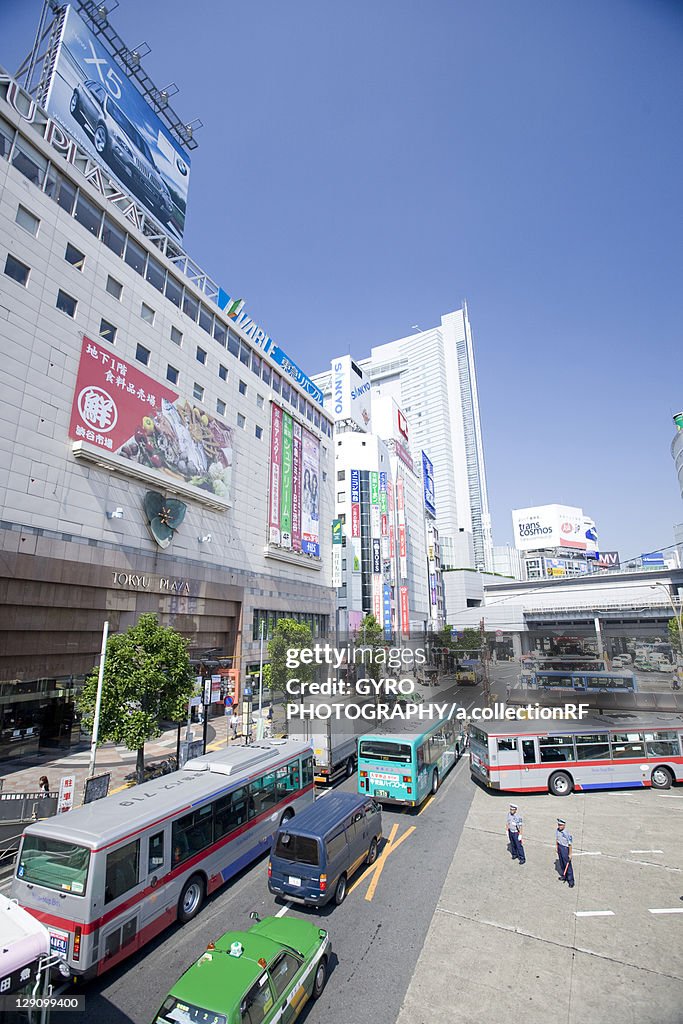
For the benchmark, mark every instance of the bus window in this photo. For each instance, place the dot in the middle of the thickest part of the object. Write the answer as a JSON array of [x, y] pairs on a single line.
[[662, 744], [557, 748], [528, 751], [386, 750], [593, 747], [155, 858], [191, 834], [510, 744], [54, 864], [307, 771], [122, 872], [264, 793], [629, 744], [230, 812], [420, 758]]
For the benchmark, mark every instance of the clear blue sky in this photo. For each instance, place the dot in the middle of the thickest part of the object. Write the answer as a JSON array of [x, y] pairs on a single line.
[[366, 166]]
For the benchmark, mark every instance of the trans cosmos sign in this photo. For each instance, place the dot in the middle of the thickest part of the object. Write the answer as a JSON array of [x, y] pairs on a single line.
[[91, 96]]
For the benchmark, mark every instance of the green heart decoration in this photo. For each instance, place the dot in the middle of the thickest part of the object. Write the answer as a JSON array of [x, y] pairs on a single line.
[[164, 515]]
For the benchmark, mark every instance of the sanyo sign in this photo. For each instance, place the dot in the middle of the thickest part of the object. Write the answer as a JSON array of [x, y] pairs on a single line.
[[351, 393]]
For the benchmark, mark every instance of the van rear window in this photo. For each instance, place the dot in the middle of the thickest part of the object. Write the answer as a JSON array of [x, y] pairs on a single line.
[[299, 849]]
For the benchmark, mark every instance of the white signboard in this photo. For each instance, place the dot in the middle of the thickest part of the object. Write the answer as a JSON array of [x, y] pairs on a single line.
[[549, 526], [351, 393], [65, 801]]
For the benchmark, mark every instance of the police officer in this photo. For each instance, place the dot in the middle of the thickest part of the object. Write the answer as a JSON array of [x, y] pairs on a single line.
[[513, 824], [563, 843]]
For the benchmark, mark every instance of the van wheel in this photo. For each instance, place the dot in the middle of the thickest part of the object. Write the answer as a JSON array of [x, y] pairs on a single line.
[[191, 899], [661, 778], [435, 781], [350, 768], [372, 853], [320, 978], [287, 815], [560, 784], [340, 891]]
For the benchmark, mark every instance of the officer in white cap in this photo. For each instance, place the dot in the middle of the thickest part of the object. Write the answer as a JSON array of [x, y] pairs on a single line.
[[514, 824], [563, 844]]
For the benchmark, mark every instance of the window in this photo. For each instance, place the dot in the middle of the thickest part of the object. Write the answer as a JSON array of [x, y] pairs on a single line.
[[87, 214], [509, 744], [231, 811], [192, 833], [190, 306], [263, 792], [172, 374], [245, 353], [6, 136], [298, 849], [255, 364], [147, 313], [265, 373], [259, 401], [176, 336], [341, 496], [220, 332], [285, 390], [29, 162], [259, 432], [243, 388], [142, 354], [241, 421], [205, 319], [341, 474], [276, 382], [201, 355], [662, 744], [54, 864], [283, 972], [258, 1002], [174, 291], [233, 344], [135, 257], [592, 747], [107, 331], [113, 237], [223, 372], [122, 871], [335, 845], [27, 220], [155, 858], [628, 744], [220, 407], [74, 256], [114, 287], [198, 392], [155, 274], [66, 303], [17, 270], [557, 748], [62, 191]]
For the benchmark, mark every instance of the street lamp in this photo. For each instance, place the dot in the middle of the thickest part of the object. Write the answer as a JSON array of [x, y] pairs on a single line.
[[678, 613]]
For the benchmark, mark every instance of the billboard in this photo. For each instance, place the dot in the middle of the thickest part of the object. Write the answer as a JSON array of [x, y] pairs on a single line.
[[98, 105], [351, 393], [275, 469], [296, 488], [310, 495], [428, 484], [139, 422], [294, 506], [608, 559], [550, 526], [286, 481]]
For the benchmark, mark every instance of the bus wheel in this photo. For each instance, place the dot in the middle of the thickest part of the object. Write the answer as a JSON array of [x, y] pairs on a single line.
[[191, 899], [350, 768], [560, 784], [287, 815], [340, 891], [661, 778], [435, 781]]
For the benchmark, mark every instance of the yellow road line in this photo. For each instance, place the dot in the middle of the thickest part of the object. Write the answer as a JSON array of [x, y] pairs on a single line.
[[388, 849], [426, 804]]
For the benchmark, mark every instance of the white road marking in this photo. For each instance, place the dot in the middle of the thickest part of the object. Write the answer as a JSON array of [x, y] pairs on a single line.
[[668, 910], [594, 913], [646, 851], [669, 796], [284, 910], [588, 853]]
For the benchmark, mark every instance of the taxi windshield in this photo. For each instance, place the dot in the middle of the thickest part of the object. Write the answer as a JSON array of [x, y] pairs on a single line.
[[176, 1011], [54, 864]]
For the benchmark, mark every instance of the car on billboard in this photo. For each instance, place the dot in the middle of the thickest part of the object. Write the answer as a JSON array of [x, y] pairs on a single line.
[[120, 144]]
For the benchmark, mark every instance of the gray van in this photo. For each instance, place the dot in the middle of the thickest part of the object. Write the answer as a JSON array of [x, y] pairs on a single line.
[[315, 853]]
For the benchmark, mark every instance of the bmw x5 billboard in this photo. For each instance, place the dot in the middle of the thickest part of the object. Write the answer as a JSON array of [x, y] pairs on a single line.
[[101, 109]]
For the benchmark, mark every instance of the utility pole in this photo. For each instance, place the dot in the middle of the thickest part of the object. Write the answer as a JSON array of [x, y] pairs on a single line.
[[98, 702], [486, 685]]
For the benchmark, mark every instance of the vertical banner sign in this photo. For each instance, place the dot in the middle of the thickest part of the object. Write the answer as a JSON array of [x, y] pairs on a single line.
[[387, 611], [310, 495], [286, 482], [374, 488], [275, 463], [296, 488], [402, 543], [376, 557], [355, 503], [405, 619], [355, 486], [336, 552], [383, 492], [355, 520], [377, 598]]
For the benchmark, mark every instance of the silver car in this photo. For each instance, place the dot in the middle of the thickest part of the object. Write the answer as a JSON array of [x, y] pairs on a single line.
[[120, 144]]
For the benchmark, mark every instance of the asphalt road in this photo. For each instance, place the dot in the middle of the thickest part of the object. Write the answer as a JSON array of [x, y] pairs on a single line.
[[376, 941]]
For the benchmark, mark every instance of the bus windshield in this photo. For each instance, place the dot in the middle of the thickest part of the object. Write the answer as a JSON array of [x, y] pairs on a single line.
[[386, 750], [54, 864]]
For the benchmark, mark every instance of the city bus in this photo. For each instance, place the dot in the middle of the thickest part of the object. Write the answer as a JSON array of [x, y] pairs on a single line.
[[398, 764], [584, 682], [599, 752], [24, 961], [107, 877]]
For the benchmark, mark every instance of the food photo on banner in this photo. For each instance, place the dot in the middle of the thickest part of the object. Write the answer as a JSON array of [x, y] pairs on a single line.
[[96, 103], [136, 421]]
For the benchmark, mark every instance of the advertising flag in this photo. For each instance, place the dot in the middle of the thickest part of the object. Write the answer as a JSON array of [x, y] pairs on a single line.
[[405, 617], [296, 488], [286, 482], [310, 495], [275, 466]]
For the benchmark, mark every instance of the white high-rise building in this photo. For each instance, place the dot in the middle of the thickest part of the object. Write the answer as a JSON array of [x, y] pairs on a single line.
[[431, 375]]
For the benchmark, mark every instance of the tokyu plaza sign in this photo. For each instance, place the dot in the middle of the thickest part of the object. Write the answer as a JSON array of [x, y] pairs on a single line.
[[162, 584]]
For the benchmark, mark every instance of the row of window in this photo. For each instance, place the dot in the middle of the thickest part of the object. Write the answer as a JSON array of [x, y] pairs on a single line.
[[37, 169], [597, 746], [268, 620]]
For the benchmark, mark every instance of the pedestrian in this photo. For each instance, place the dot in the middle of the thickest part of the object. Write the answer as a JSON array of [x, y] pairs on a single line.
[[44, 786], [563, 843], [514, 824], [235, 724]]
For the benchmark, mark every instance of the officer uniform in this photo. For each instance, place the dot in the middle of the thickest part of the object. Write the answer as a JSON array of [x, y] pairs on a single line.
[[563, 842], [514, 824]]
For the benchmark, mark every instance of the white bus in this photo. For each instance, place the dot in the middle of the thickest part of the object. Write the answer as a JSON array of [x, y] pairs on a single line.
[[601, 752], [24, 961], [109, 876]]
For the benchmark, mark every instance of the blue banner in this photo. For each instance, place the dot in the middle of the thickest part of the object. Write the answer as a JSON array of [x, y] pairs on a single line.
[[355, 486]]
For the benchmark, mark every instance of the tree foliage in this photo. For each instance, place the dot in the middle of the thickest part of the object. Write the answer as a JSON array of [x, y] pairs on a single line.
[[147, 678], [370, 634], [288, 635]]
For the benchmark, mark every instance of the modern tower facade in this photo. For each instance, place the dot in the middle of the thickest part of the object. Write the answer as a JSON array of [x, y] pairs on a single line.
[[431, 375]]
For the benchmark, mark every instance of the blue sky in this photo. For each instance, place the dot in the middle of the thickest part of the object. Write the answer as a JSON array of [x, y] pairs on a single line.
[[364, 167]]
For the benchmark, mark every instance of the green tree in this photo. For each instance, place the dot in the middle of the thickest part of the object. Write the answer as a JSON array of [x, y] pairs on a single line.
[[288, 635], [147, 678], [370, 634], [675, 638]]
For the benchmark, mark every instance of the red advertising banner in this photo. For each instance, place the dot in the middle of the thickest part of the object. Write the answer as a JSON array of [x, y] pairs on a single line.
[[355, 519], [391, 542], [385, 525], [402, 550], [275, 470], [121, 410], [296, 488], [400, 498], [405, 618], [377, 598]]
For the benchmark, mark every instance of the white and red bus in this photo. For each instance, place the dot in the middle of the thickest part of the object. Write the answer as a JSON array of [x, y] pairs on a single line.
[[107, 877], [601, 752]]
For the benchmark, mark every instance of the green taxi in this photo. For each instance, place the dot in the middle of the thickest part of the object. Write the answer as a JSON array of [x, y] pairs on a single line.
[[259, 976]]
